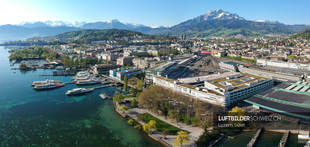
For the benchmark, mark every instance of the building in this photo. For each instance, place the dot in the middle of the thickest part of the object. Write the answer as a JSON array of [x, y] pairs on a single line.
[[160, 70], [107, 56], [124, 61], [219, 89], [121, 72], [280, 64], [290, 99], [153, 52], [103, 68], [141, 63], [231, 66]]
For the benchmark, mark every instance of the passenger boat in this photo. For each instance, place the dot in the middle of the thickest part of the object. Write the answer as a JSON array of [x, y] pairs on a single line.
[[45, 82], [48, 85], [78, 91], [90, 81]]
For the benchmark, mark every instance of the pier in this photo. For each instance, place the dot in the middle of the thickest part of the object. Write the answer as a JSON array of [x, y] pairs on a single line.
[[117, 82], [254, 139], [98, 87], [284, 139]]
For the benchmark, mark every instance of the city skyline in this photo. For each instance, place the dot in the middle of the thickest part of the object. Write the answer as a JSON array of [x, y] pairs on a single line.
[[150, 13]]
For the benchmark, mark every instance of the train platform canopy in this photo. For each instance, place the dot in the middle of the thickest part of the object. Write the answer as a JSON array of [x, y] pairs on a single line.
[[292, 99]]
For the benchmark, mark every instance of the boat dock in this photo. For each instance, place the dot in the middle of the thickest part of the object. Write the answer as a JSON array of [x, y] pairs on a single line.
[[284, 139], [116, 81], [254, 139], [98, 87]]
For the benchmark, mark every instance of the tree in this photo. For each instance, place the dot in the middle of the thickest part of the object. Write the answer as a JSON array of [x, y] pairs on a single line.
[[131, 122], [140, 85], [125, 83], [137, 127], [117, 97], [182, 137], [172, 114], [149, 127], [123, 108], [152, 124], [23, 66], [236, 111], [146, 128], [133, 103]]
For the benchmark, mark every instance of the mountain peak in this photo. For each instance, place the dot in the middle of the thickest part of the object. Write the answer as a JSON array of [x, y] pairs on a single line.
[[221, 15]]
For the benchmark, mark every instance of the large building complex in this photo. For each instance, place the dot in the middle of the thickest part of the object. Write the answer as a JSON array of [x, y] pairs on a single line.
[[220, 89], [121, 72], [172, 70]]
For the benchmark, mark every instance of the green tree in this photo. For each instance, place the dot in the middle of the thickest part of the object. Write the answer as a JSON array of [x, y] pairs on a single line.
[[236, 111], [134, 103], [146, 128], [182, 137], [123, 108], [23, 66], [149, 127], [152, 124], [131, 122], [117, 97], [172, 114], [125, 88], [137, 127], [140, 85]]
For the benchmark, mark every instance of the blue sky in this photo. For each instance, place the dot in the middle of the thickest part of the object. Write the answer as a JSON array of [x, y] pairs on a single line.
[[150, 12]]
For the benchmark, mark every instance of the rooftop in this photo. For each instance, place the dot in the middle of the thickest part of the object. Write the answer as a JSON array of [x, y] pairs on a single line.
[[235, 82], [282, 100]]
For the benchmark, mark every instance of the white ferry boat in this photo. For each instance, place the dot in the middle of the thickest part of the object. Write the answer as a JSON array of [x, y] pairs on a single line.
[[90, 81], [82, 75], [45, 82], [46, 86], [78, 91]]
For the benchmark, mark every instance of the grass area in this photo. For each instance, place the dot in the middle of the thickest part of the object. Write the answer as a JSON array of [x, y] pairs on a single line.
[[241, 59], [160, 125]]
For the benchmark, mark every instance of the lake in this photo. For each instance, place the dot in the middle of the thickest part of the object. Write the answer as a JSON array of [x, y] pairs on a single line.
[[50, 118]]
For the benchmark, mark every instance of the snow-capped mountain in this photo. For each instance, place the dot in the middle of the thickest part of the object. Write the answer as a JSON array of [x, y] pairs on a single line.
[[212, 23], [220, 15], [222, 23], [50, 23]]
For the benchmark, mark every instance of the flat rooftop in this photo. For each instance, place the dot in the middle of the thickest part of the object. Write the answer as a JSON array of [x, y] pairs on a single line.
[[188, 85], [207, 77], [238, 82]]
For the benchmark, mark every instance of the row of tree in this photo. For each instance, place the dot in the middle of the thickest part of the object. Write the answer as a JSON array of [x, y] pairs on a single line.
[[176, 106]]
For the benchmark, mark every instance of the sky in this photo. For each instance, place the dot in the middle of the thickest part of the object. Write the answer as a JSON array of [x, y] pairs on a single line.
[[150, 12]]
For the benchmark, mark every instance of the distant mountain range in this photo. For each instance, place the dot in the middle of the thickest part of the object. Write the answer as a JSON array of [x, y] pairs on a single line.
[[213, 23]]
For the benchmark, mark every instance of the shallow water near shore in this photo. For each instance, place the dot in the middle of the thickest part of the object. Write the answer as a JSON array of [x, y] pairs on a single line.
[[50, 118]]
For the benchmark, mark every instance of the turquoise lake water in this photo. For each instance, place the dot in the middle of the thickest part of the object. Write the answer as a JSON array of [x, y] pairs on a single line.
[[50, 118]]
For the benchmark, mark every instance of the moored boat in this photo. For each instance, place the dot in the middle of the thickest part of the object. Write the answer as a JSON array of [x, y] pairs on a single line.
[[47, 86], [91, 81], [45, 82], [78, 91]]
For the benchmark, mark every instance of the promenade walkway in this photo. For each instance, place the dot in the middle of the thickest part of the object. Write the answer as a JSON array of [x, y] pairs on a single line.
[[194, 132]]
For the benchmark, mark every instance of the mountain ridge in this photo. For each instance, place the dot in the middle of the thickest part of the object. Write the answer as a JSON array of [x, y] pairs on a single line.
[[212, 23]]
